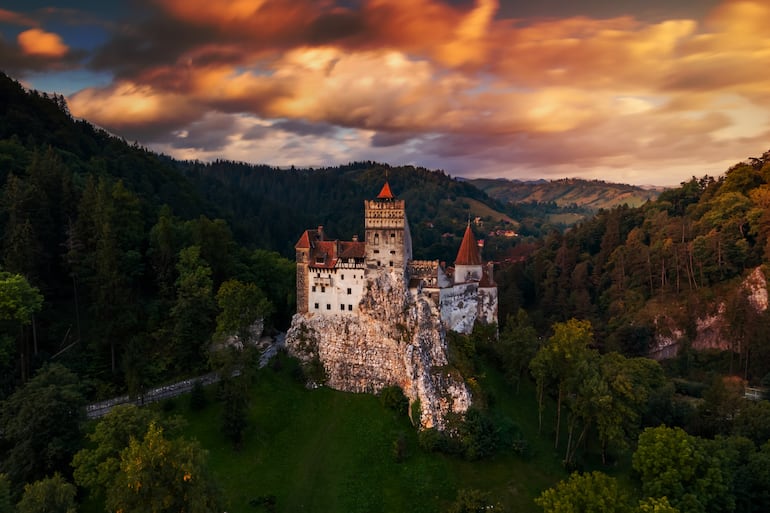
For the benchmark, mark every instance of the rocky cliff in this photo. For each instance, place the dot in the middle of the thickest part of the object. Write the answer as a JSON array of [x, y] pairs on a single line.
[[710, 329], [396, 339]]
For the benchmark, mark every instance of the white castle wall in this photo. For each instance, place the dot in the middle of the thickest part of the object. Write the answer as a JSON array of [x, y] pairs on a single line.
[[335, 291]]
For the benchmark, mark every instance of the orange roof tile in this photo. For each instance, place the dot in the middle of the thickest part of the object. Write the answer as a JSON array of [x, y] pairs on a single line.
[[304, 241], [469, 250], [385, 193], [354, 249]]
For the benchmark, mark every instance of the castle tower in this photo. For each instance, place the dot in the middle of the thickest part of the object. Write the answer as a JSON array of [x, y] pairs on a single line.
[[303, 248], [388, 240], [468, 264]]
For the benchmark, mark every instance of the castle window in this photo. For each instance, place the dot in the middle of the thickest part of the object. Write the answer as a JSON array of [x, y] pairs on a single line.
[[342, 277], [323, 289], [350, 291], [350, 308], [376, 239], [313, 288], [328, 306], [342, 307], [316, 306], [376, 251], [392, 238], [319, 260], [392, 251], [391, 263]]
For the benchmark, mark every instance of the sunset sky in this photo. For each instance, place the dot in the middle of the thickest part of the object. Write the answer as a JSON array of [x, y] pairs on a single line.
[[634, 91]]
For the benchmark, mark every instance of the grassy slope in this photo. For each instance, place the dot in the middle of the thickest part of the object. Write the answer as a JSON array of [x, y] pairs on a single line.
[[322, 450], [480, 209], [585, 193]]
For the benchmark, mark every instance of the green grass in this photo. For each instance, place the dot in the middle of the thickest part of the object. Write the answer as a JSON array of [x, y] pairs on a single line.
[[330, 451]]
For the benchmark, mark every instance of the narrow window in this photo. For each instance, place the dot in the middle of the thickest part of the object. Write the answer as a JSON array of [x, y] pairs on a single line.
[[323, 289], [313, 288], [328, 306], [350, 291], [316, 306], [376, 239], [342, 307], [350, 308]]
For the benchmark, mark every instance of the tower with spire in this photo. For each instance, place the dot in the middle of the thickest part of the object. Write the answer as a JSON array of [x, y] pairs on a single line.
[[388, 241]]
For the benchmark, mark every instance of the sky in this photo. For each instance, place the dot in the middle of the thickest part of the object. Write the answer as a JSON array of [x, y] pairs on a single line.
[[648, 92]]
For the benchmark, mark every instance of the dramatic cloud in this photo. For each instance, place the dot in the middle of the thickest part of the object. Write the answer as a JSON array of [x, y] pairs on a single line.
[[37, 42], [470, 86]]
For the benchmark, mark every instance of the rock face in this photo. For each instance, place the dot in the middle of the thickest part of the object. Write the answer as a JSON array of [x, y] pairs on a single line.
[[396, 339], [710, 328]]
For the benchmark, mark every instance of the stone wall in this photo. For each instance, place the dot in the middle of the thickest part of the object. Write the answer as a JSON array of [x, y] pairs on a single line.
[[395, 340]]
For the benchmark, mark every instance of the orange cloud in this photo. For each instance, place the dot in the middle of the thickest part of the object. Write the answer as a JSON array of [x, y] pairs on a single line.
[[451, 80], [37, 42], [133, 110], [16, 18]]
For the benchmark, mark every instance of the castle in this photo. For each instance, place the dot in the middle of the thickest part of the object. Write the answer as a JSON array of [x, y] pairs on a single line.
[[333, 275]]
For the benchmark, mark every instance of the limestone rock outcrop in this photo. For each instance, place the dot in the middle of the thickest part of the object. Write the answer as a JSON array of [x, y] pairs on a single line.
[[397, 339], [710, 327]]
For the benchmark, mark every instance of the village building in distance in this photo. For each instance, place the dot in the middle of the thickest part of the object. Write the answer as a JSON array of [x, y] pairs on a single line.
[[333, 275]]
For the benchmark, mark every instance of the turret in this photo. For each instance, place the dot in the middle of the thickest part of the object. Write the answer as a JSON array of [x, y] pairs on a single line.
[[388, 241], [468, 264]]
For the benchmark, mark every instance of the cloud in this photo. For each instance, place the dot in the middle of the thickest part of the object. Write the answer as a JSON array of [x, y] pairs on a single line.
[[40, 43], [16, 18], [302, 127], [438, 82], [135, 111]]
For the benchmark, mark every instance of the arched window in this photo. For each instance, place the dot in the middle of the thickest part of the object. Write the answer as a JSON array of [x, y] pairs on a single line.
[[376, 239]]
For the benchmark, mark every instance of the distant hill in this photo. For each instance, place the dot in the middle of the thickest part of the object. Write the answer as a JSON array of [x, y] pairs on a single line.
[[589, 194]]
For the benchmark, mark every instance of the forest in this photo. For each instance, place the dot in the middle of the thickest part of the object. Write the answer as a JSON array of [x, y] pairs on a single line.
[[121, 268]]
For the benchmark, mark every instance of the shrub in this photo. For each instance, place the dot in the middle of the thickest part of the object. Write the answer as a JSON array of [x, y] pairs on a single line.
[[394, 399]]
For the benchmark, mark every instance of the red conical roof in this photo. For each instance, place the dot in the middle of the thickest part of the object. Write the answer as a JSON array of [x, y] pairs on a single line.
[[385, 193], [469, 250]]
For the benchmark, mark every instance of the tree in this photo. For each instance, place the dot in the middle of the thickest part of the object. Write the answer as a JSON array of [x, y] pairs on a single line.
[[193, 312], [160, 475], [97, 466], [234, 412], [630, 383], [236, 368], [19, 301], [5, 494], [753, 421], [241, 305], [518, 345], [560, 360], [682, 468], [593, 492], [49, 495], [656, 505], [104, 253], [41, 425]]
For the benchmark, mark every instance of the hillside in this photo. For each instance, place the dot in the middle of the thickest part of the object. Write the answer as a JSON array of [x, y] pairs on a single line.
[[262, 202], [590, 194], [668, 269]]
